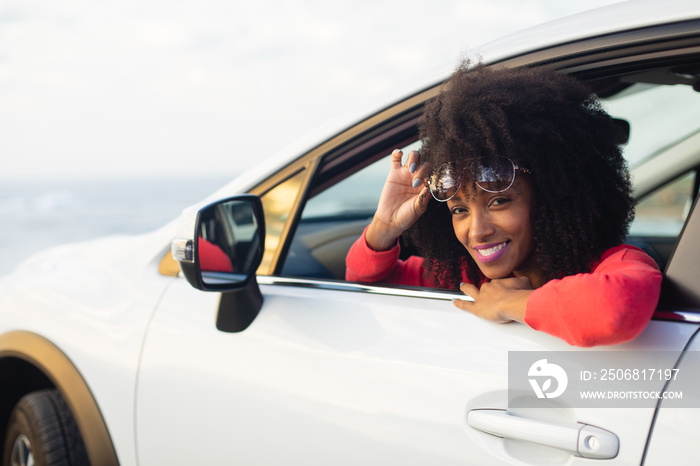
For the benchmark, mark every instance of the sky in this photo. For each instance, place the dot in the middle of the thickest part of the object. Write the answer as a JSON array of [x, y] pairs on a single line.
[[94, 88]]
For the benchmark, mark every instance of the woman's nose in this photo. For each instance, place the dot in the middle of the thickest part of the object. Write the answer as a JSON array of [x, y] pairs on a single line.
[[480, 227]]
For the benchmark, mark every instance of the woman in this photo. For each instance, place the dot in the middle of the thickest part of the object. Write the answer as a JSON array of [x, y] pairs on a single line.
[[520, 198]]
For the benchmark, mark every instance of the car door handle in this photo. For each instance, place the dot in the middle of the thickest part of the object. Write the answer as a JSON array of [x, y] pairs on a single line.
[[577, 438]]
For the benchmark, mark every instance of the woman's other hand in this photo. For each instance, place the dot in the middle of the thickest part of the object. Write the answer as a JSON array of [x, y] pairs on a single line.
[[402, 202], [501, 300]]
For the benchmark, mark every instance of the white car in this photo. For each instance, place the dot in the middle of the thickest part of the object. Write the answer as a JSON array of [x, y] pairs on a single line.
[[109, 355]]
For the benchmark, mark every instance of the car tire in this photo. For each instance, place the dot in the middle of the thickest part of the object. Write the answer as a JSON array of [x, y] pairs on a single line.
[[42, 431]]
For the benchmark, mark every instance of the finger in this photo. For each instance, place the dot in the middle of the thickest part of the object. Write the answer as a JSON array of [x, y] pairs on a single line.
[[420, 177], [471, 308], [396, 156], [413, 161], [469, 289], [463, 304]]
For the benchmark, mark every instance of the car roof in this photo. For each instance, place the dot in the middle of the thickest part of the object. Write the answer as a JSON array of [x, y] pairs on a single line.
[[615, 18]]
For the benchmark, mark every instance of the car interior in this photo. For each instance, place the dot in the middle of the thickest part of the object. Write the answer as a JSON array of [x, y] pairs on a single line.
[[658, 107]]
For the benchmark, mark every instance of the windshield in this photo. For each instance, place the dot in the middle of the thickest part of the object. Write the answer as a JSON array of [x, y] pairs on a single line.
[[660, 116]]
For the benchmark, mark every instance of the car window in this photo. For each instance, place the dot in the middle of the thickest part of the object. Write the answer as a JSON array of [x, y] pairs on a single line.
[[355, 196], [662, 152], [660, 116], [333, 219], [662, 213], [277, 205]]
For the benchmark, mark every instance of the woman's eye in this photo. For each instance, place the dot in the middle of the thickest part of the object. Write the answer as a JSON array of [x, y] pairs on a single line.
[[458, 210], [499, 201]]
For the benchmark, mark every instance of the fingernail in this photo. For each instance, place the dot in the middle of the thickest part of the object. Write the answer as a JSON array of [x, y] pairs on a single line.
[[413, 167], [417, 182]]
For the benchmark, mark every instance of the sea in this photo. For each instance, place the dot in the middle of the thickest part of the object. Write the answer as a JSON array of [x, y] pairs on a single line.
[[40, 214]]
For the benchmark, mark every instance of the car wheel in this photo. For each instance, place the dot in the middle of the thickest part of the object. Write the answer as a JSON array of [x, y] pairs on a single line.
[[42, 431]]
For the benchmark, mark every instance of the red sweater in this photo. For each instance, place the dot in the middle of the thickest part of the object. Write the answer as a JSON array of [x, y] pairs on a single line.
[[611, 304]]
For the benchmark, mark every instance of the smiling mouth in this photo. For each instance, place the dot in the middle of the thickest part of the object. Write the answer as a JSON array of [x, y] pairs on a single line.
[[493, 250], [492, 253]]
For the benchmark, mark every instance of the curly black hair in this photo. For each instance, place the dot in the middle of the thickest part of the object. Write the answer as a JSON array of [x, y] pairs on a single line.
[[554, 126]]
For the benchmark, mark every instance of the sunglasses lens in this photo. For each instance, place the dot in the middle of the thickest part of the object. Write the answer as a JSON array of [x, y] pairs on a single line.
[[444, 183], [495, 177]]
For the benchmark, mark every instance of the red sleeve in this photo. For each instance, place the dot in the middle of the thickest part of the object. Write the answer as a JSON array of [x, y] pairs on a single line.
[[610, 305], [212, 258], [365, 265]]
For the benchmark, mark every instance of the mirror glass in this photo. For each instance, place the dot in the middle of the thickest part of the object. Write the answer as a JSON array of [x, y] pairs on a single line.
[[229, 242]]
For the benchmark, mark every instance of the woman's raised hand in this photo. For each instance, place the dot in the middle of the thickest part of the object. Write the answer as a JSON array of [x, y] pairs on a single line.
[[402, 202]]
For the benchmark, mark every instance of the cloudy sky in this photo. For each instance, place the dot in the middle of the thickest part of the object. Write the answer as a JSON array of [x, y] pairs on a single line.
[[144, 87]]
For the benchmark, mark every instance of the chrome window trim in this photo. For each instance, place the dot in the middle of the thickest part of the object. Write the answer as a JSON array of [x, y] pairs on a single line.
[[387, 290], [685, 316], [689, 317]]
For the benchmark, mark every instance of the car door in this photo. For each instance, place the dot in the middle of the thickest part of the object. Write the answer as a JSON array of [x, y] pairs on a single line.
[[346, 376]]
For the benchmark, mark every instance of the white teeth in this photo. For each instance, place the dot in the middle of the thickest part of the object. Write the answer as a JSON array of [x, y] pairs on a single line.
[[493, 250]]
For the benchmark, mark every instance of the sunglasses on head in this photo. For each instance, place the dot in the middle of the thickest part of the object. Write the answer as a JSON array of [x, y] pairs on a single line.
[[491, 175]]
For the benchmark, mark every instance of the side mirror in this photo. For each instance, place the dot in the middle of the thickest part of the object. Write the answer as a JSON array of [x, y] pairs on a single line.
[[227, 250]]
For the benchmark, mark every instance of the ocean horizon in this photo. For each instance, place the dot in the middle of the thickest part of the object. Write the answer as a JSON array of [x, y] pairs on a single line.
[[39, 214]]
